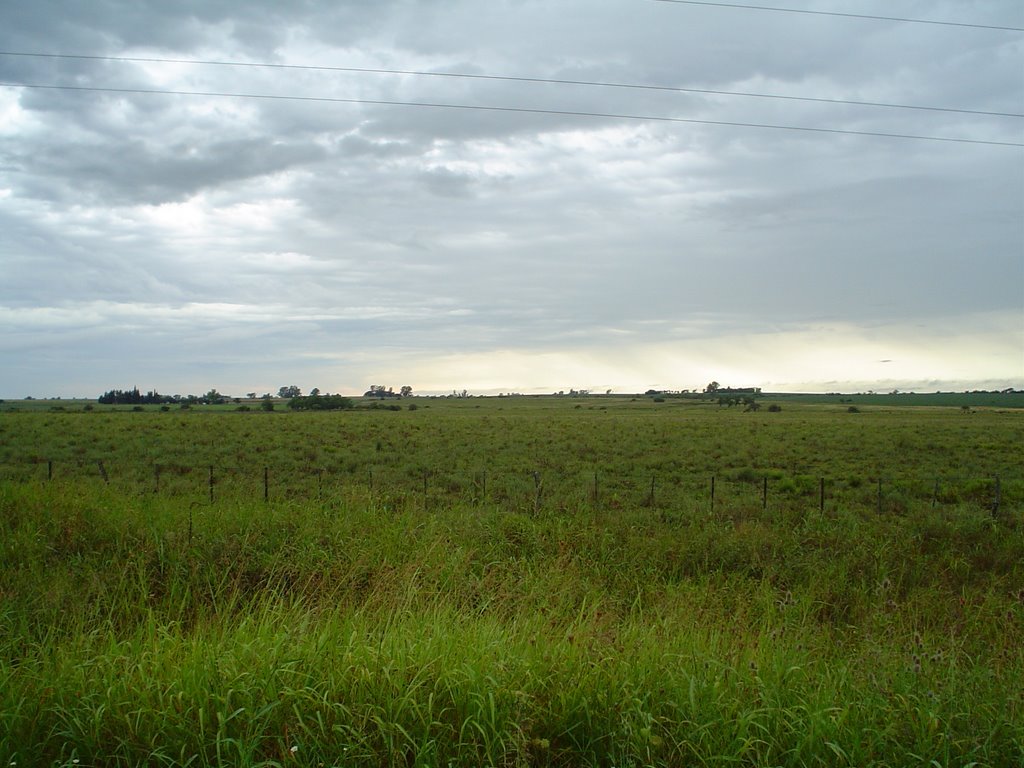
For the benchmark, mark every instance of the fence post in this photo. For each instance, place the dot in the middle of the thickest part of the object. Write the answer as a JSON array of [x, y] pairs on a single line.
[[879, 495], [935, 493], [49, 469], [483, 486], [537, 487], [712, 494], [156, 478], [266, 484], [211, 483], [997, 498], [596, 497], [103, 471], [650, 498]]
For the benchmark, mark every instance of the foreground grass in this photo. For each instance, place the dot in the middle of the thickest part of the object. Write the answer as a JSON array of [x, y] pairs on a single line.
[[367, 630]]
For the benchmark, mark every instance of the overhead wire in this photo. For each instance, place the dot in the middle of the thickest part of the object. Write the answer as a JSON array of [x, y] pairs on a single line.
[[907, 20], [513, 78], [520, 110]]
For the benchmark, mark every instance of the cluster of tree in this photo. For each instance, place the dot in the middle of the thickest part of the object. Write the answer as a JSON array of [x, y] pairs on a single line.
[[317, 402], [381, 392], [133, 397]]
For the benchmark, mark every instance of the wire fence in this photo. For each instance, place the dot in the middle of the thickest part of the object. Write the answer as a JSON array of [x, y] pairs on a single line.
[[530, 489]]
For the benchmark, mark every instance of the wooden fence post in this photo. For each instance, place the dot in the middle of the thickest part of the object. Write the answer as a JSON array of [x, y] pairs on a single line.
[[712, 494], [997, 497], [103, 471], [49, 469], [266, 484]]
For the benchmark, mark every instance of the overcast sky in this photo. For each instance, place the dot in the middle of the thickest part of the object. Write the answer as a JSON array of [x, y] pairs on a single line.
[[183, 242]]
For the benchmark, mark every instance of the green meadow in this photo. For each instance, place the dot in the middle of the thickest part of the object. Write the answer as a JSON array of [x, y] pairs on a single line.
[[595, 581]]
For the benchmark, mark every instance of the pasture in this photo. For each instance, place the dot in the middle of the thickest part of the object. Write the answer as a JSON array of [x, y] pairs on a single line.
[[513, 581]]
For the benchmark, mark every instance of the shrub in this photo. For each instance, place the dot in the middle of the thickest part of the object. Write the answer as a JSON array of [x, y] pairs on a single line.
[[774, 408], [853, 409]]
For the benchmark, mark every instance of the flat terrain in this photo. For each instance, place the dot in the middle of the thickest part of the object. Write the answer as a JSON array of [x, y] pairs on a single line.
[[513, 581]]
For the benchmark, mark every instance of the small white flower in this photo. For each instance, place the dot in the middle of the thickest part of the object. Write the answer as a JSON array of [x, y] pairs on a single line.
[[294, 749]]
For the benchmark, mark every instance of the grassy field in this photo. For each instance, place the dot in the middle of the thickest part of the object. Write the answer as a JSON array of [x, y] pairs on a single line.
[[515, 581]]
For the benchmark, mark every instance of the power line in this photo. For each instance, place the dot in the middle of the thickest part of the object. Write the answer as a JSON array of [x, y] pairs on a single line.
[[520, 110], [843, 15], [509, 78]]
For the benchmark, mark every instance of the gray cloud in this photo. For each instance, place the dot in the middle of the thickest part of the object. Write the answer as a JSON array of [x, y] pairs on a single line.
[[228, 241]]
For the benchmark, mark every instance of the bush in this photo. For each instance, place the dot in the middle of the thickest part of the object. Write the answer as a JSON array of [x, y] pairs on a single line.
[[267, 405], [853, 409], [774, 408], [243, 408], [413, 406], [138, 408], [321, 403]]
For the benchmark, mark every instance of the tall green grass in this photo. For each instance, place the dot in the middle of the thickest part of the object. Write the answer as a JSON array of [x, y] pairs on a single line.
[[372, 629]]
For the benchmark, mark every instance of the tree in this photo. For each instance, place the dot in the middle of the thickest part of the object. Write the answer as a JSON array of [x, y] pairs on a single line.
[[314, 392], [289, 392], [405, 391], [251, 395], [713, 387]]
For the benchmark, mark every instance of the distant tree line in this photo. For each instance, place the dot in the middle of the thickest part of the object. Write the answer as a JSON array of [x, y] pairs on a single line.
[[134, 397]]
